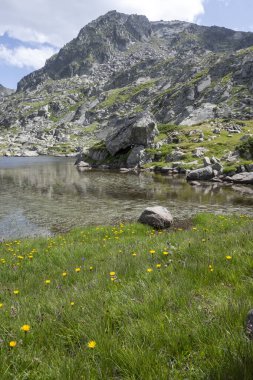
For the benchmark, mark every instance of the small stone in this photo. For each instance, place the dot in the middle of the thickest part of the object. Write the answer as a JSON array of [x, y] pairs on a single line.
[[249, 324]]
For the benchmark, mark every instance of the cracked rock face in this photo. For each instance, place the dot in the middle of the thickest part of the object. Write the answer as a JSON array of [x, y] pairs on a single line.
[[138, 130]]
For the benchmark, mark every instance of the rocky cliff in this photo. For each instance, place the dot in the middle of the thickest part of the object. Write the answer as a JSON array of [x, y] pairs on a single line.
[[121, 67]]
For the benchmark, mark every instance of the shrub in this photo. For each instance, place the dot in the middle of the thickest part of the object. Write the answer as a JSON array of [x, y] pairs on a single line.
[[246, 149]]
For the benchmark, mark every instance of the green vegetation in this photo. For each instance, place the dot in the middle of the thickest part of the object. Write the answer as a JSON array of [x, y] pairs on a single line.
[[215, 144], [246, 148], [91, 128], [201, 74], [122, 95], [128, 302], [226, 79]]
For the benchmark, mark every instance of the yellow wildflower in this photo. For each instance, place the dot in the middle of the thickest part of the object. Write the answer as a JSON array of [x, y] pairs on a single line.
[[12, 343], [1, 305], [149, 270], [158, 266], [152, 251], [91, 344], [165, 253], [112, 273], [64, 274], [78, 270], [47, 282], [25, 328], [228, 257], [16, 291]]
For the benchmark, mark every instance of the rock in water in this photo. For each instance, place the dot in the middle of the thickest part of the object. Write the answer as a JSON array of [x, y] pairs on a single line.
[[157, 217], [246, 178], [200, 174]]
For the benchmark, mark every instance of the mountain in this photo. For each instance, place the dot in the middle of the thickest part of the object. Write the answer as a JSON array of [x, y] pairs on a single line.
[[120, 71], [5, 91]]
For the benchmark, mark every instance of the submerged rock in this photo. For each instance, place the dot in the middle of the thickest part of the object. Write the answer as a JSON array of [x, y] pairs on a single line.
[[157, 217]]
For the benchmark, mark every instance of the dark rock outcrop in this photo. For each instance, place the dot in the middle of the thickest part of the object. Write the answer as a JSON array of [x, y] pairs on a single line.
[[137, 130]]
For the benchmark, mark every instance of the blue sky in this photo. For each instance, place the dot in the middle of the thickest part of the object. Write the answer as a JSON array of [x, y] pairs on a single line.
[[33, 30]]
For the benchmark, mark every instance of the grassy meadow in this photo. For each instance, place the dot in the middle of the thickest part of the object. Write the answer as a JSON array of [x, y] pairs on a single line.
[[128, 302]]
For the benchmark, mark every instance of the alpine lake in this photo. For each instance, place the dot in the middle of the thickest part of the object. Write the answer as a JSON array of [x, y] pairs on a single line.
[[47, 195]]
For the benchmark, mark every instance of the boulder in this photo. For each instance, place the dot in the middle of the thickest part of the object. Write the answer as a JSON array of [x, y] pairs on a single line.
[[157, 217], [218, 167], [206, 161], [200, 174], [245, 178], [175, 156], [199, 152], [29, 153], [83, 164], [137, 156], [137, 130], [249, 167]]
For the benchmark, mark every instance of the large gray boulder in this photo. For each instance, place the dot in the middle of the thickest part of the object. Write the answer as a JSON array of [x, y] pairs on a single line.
[[200, 174], [246, 178], [137, 156], [157, 217], [137, 130]]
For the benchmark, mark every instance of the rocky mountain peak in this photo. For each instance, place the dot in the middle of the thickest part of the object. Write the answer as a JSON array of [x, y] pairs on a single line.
[[96, 43]]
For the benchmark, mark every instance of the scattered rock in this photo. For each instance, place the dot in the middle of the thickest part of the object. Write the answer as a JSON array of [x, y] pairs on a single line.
[[200, 174], [157, 217], [199, 152], [30, 153], [249, 324], [83, 164], [245, 178], [175, 156], [206, 161], [137, 157]]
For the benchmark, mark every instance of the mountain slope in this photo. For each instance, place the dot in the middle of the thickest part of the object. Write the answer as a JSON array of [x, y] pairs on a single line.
[[120, 65], [5, 91]]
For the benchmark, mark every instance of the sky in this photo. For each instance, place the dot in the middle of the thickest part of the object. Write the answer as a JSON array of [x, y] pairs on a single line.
[[33, 30]]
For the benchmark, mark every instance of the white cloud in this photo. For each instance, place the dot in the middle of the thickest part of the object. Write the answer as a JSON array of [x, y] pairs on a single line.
[[25, 57], [23, 33], [165, 9], [59, 21]]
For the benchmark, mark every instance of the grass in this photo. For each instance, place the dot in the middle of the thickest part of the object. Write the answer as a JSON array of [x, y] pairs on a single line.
[[222, 144], [182, 320], [124, 94]]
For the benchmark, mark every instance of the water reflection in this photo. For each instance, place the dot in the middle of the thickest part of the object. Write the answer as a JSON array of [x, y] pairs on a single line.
[[41, 194]]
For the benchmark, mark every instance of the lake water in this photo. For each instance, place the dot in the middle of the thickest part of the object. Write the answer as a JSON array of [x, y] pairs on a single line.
[[43, 195]]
